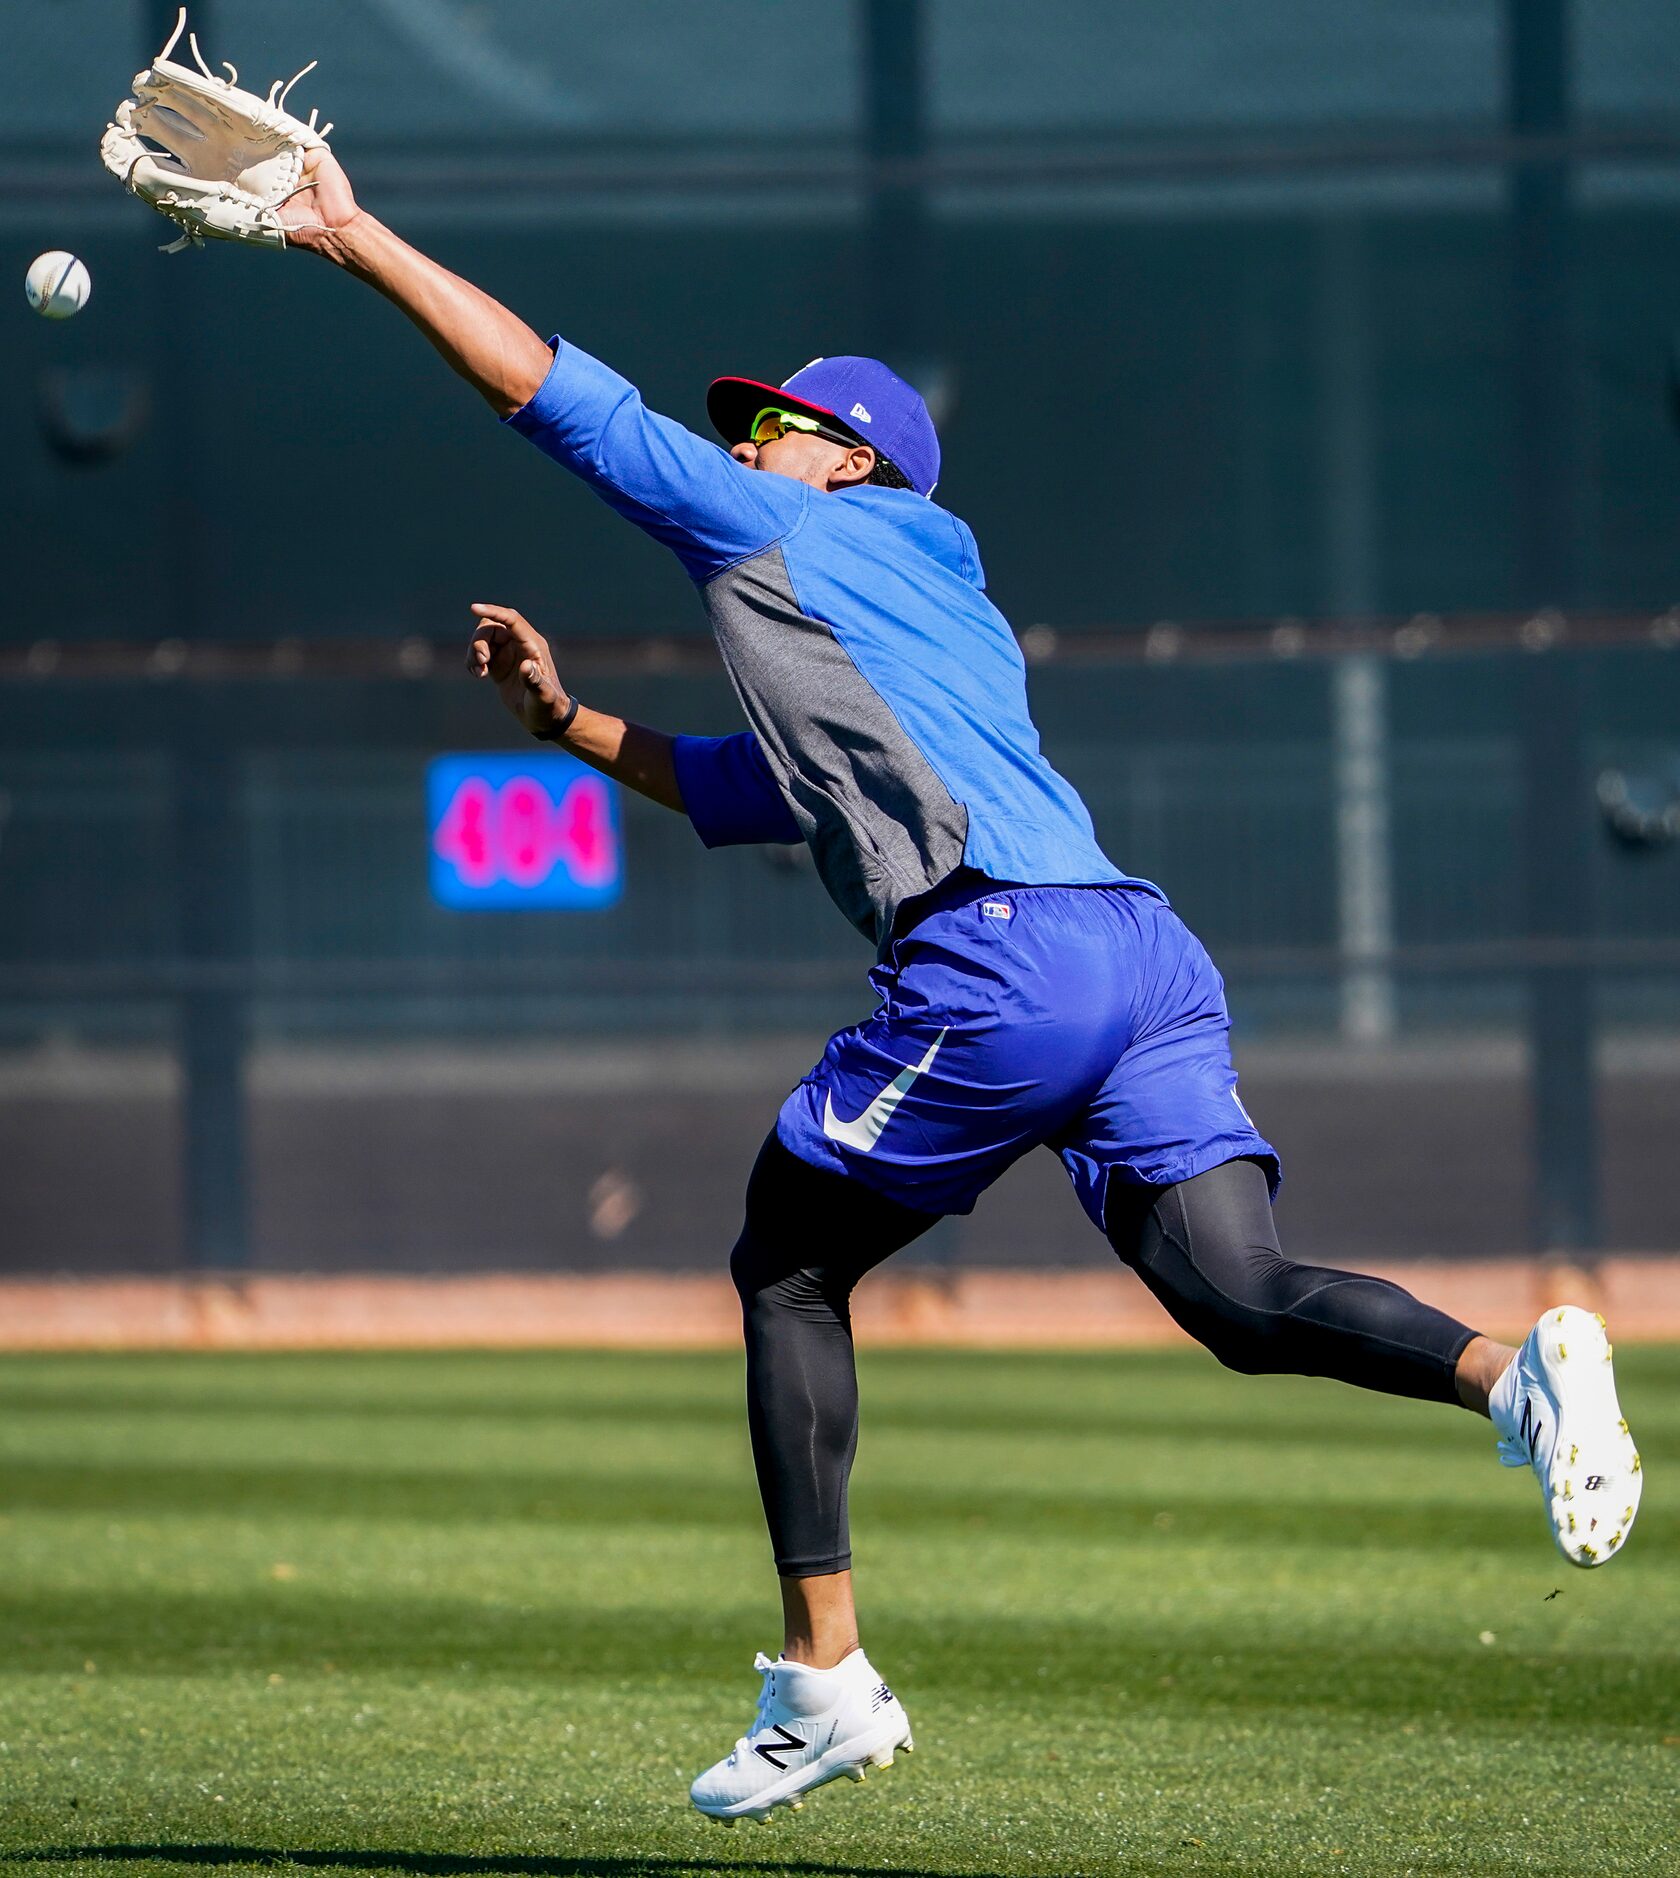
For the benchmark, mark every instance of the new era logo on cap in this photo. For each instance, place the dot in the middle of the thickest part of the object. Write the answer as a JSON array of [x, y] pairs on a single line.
[[860, 414]]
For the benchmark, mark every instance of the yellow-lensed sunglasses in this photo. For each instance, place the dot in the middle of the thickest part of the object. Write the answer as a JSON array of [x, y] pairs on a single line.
[[773, 422]]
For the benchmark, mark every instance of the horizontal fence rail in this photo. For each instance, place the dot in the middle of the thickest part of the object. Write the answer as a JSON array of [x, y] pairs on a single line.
[[519, 169], [1216, 642]]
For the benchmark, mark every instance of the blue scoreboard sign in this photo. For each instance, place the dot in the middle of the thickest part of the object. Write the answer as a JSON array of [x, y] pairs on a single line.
[[522, 831]]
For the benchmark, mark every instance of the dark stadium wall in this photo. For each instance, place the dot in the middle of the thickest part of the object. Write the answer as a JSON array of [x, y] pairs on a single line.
[[1138, 430]]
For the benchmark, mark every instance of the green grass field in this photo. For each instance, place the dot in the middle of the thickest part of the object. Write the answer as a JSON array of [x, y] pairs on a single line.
[[475, 1614]]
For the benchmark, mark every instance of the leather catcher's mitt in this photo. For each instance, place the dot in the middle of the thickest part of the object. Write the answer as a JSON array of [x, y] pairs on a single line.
[[229, 158]]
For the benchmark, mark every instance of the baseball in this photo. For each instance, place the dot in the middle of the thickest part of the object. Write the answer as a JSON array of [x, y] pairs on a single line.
[[57, 285]]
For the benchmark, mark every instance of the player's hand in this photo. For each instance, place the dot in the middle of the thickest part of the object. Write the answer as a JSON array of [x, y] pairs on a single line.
[[507, 649], [322, 206]]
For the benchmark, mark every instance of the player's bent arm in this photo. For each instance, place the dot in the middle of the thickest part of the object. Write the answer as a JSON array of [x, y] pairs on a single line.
[[724, 785], [631, 754], [508, 650]]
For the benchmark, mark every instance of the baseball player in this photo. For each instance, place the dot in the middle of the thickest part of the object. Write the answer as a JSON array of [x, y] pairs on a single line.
[[1028, 992]]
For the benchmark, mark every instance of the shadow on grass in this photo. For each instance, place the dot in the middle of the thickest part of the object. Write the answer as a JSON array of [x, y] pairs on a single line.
[[1308, 1508], [1280, 1420], [463, 1865], [1194, 1661]]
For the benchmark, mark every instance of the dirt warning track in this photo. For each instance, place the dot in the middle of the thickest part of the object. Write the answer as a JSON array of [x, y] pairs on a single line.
[[675, 1310]]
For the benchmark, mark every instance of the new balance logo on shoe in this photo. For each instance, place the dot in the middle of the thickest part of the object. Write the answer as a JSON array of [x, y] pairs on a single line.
[[1529, 1432], [790, 1743], [881, 1697]]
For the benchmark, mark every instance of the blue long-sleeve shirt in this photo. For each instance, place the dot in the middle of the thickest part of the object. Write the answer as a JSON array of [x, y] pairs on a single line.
[[730, 792], [886, 695]]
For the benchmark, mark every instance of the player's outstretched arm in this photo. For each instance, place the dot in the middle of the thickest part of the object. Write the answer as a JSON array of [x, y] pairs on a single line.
[[508, 650], [492, 348], [687, 493]]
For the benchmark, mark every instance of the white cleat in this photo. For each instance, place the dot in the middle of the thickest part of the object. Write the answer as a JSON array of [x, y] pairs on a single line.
[[1555, 1410], [812, 1726]]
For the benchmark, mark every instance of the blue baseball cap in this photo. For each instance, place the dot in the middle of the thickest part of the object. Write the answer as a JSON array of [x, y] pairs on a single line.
[[860, 397]]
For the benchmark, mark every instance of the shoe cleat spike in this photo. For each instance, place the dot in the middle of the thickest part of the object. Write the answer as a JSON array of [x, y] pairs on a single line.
[[1568, 1491], [796, 1806], [1609, 1350], [1571, 1522], [1615, 1540], [1559, 1317], [857, 1773], [1622, 1424], [1589, 1553], [730, 1823], [1627, 1516], [884, 1760], [1563, 1350], [907, 1745], [1636, 1462], [765, 1817], [1574, 1453], [1598, 1318]]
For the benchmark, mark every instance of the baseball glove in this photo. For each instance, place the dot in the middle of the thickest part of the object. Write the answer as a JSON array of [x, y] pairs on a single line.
[[229, 158]]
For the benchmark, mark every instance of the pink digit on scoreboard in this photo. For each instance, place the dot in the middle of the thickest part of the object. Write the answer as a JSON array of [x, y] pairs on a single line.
[[523, 807], [584, 832], [465, 831]]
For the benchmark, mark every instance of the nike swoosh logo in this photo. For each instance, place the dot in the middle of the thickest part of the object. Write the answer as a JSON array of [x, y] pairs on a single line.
[[863, 1133]]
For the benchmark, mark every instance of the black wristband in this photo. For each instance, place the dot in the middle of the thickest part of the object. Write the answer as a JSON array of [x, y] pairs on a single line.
[[560, 727]]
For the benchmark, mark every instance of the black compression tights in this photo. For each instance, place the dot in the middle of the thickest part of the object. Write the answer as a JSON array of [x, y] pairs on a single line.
[[1206, 1248]]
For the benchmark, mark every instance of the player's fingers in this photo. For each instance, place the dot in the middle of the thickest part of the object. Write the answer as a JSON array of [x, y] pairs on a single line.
[[534, 675], [506, 619], [504, 615], [483, 645]]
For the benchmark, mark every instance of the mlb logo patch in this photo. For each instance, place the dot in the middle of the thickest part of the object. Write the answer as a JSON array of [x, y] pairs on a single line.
[[996, 909]]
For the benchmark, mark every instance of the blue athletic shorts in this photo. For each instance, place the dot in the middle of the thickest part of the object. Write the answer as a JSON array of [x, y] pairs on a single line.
[[1085, 1019]]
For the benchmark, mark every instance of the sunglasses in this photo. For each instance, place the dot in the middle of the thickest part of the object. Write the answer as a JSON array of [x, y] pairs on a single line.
[[773, 422]]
